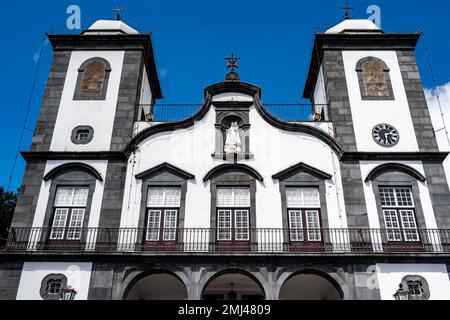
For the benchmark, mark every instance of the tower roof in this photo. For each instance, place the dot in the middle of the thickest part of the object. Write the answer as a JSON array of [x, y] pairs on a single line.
[[355, 26], [110, 27]]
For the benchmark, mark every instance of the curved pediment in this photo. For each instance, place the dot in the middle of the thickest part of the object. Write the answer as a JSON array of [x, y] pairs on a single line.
[[227, 168], [395, 167], [73, 166], [237, 87]]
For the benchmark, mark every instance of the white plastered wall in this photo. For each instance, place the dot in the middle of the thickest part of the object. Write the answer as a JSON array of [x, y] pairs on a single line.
[[78, 277]]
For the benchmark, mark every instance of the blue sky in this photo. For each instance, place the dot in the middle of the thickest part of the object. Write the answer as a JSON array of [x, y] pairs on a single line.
[[190, 38]]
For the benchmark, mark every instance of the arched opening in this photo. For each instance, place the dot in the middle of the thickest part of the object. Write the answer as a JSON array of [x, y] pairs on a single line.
[[233, 285], [156, 286], [310, 285]]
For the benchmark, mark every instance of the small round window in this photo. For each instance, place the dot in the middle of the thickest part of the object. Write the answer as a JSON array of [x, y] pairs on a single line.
[[82, 135]]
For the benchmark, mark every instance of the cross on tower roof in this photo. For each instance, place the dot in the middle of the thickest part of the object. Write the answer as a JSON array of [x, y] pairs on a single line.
[[118, 10], [347, 9], [232, 64]]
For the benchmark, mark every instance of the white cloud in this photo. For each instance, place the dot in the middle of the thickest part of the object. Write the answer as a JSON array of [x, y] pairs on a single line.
[[440, 122]]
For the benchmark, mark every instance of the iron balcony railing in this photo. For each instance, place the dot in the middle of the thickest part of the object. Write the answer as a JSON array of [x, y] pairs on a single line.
[[264, 240], [286, 112]]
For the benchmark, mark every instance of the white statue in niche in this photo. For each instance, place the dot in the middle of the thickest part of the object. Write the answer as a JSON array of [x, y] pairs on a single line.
[[233, 140]]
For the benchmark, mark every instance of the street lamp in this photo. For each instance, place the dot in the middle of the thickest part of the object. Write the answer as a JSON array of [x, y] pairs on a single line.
[[68, 293], [401, 293]]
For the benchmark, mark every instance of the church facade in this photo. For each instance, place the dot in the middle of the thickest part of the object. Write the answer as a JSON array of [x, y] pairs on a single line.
[[232, 203]]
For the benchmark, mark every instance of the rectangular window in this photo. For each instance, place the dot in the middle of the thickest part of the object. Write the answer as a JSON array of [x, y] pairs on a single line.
[[163, 206], [70, 207], [303, 198], [233, 214], [303, 214], [399, 214], [233, 197]]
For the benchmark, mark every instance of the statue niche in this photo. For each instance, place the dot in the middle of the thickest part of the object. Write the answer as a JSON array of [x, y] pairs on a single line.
[[233, 142]]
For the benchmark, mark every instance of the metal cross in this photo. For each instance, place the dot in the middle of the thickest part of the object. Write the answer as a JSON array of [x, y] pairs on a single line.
[[232, 62], [118, 10], [347, 9]]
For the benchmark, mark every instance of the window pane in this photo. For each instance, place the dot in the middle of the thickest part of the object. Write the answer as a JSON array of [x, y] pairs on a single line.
[[80, 197], [295, 225], [392, 224], [404, 197], [311, 197], [387, 197], [294, 197], [409, 225], [64, 196], [170, 224], [241, 197], [75, 224], [303, 198], [71, 196], [224, 197], [173, 196], [153, 225], [313, 226], [224, 225], [59, 224], [242, 225], [155, 197]]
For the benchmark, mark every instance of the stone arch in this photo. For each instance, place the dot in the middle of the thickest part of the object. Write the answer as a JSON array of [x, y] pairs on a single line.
[[374, 79], [98, 69], [134, 277], [333, 278], [209, 277]]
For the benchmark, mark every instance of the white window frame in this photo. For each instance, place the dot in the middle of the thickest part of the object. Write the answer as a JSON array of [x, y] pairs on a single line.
[[153, 231], [221, 230], [296, 233], [233, 197], [243, 233], [302, 196], [164, 204], [58, 232], [314, 234], [396, 233], [170, 231]]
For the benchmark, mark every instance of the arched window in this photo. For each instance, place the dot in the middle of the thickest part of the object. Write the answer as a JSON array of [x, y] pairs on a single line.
[[93, 76], [374, 79]]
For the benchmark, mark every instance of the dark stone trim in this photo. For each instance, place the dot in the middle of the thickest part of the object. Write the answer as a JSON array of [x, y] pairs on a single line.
[[438, 188], [437, 157], [237, 109], [387, 77], [129, 42], [226, 168], [353, 193], [233, 86], [43, 133], [233, 180], [396, 167], [161, 182], [73, 137], [425, 287], [42, 291], [297, 127], [165, 167], [418, 105], [77, 95], [339, 42], [302, 183], [113, 194], [90, 155], [239, 87], [74, 180], [301, 167], [73, 167]]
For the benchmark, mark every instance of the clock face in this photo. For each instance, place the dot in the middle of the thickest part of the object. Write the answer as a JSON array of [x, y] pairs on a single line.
[[385, 135]]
